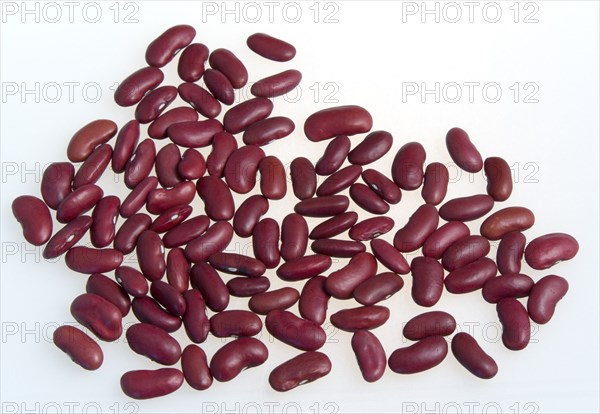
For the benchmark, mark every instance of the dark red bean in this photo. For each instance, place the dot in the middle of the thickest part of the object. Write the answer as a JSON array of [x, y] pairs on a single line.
[[334, 155], [297, 332], [209, 283], [322, 206], [226, 62], [499, 178], [510, 252], [465, 251], [441, 239], [160, 200], [150, 252], [341, 283], [407, 168], [435, 183], [428, 281], [248, 214], [126, 238], [419, 227], [104, 219], [371, 228], [516, 329], [195, 368], [294, 236], [200, 99], [67, 237], [132, 280], [246, 113], [339, 180], [370, 355], [265, 242], [339, 120], [471, 277], [190, 67], [194, 134], [241, 168], [137, 197], [218, 84], [154, 103], [373, 147], [462, 151], [470, 355], [304, 179], [302, 369], [82, 349], [125, 145], [506, 286], [85, 140], [164, 48], [93, 167], [304, 267], [434, 323], [101, 285], [158, 129], [34, 217], [334, 226], [506, 220], [277, 85], [168, 296], [134, 87], [218, 201], [364, 317], [166, 162], [271, 47], [145, 384], [466, 208], [215, 239], [195, 321], [544, 296], [382, 186], [367, 199], [337, 248], [139, 166], [418, 357], [378, 288], [178, 270], [389, 256], [314, 299], [234, 357], [237, 264], [170, 218], [235, 323], [98, 315], [146, 310], [185, 232], [87, 260], [268, 130], [273, 183], [56, 183], [244, 287], [72, 206], [283, 298], [545, 251], [192, 165], [152, 342]]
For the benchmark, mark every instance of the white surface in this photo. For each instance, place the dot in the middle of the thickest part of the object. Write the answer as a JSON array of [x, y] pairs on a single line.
[[367, 57]]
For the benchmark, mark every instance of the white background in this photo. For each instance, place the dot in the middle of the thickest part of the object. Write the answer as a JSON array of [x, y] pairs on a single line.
[[364, 53]]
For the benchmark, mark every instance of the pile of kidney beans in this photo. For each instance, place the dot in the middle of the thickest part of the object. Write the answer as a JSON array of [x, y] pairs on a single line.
[[197, 259]]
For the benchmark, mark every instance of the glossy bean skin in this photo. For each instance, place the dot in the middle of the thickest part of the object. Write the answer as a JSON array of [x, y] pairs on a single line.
[[371, 228], [283, 298], [470, 355], [441, 239], [215, 239], [302, 369], [192, 165], [85, 140], [368, 199], [382, 186], [378, 288], [67, 237], [158, 129], [418, 357], [139, 166], [200, 99], [428, 281], [510, 252], [294, 237], [544, 296], [237, 264], [337, 248], [208, 282], [194, 134], [314, 299], [87, 260], [271, 47], [506, 220], [304, 178], [465, 251], [56, 183], [435, 183], [82, 349], [434, 323], [370, 355], [419, 227], [241, 168], [389, 256], [471, 276], [234, 357], [265, 242], [178, 270], [334, 155], [190, 67], [147, 310], [102, 285], [334, 226], [127, 235], [340, 180], [341, 283], [268, 130], [229, 64], [125, 144], [145, 384], [165, 165], [304, 267], [219, 86], [137, 85], [98, 315], [516, 328], [246, 113], [34, 217], [154, 103], [104, 219], [243, 287], [273, 183], [195, 320], [137, 197], [277, 85], [466, 208], [407, 167], [132, 280], [170, 218], [150, 341], [248, 214], [339, 120], [507, 286], [150, 252], [462, 151], [164, 48], [217, 198], [297, 332], [373, 147], [499, 178], [364, 317], [93, 167], [168, 296], [322, 206], [545, 251], [194, 366], [74, 204], [235, 323]]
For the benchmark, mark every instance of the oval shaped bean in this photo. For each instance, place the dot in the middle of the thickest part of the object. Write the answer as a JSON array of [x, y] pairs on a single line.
[[294, 236], [158, 129], [209, 283], [271, 47], [126, 238], [146, 310], [137, 197], [241, 168], [373, 147], [441, 239], [150, 252], [139, 166], [462, 151], [304, 267], [471, 276], [82, 349], [434, 323], [506, 286], [544, 296], [465, 251], [371, 228], [273, 184], [243, 287], [154, 343], [195, 368], [199, 99], [304, 179], [195, 321], [516, 329], [283, 298], [192, 165], [217, 198], [499, 178], [186, 231], [145, 384], [277, 85], [428, 281], [322, 206], [389, 256], [84, 141], [234, 357], [137, 85], [297, 332], [169, 297], [248, 214], [154, 103], [87, 260], [235, 323], [194, 134], [93, 167], [418, 357], [237, 264], [170, 218], [75, 203], [98, 315], [265, 242], [125, 144], [164, 48], [67, 237], [190, 67], [370, 355], [545, 251], [334, 226], [510, 252], [219, 86], [246, 113], [166, 162], [466, 208], [225, 61], [337, 248], [419, 227], [178, 270], [407, 168], [34, 217], [313, 300], [341, 283], [340, 120], [334, 155], [506, 220], [302, 369], [101, 285], [367, 199], [382, 186], [132, 280], [435, 183], [378, 288], [339, 180], [268, 130], [56, 183], [470, 355], [104, 219], [364, 317], [215, 239]]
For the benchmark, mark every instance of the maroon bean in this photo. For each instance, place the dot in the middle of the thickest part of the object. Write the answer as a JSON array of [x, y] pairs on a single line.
[[195, 368], [145, 384], [499, 178], [371, 228], [210, 285], [168, 296], [545, 251], [146, 310], [158, 129], [154, 343], [277, 85], [363, 317], [368, 199], [72, 206], [243, 287], [34, 217], [126, 238], [87, 260], [337, 248], [506, 220], [516, 328], [125, 144], [510, 252], [273, 183], [151, 255], [313, 300], [373, 147], [139, 166], [339, 180], [441, 239], [294, 236], [235, 323], [218, 201], [428, 281], [170, 218], [420, 356], [154, 103], [271, 47], [185, 232], [334, 226], [322, 206], [465, 251], [471, 277], [419, 227], [378, 288], [218, 84], [67, 237], [226, 62], [302, 369], [56, 183], [194, 134], [195, 321], [137, 197], [178, 270], [192, 165], [544, 296], [470, 355], [304, 179], [104, 219], [435, 183], [101, 285], [160, 200], [164, 48], [215, 239], [370, 355], [389, 256], [407, 168], [339, 120], [190, 67], [462, 151], [334, 155], [434, 323], [98, 315], [234, 357], [382, 186], [82, 349], [166, 162], [237, 264], [132, 280], [304, 267], [297, 332], [246, 113], [466, 208], [134, 87], [93, 167], [200, 99], [85, 140], [341, 283], [263, 303], [248, 214], [241, 168], [506, 286], [265, 242], [268, 130]]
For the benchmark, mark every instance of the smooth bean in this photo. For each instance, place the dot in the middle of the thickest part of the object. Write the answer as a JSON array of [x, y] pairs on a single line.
[[265, 242], [192, 165], [178, 270], [371, 228], [234, 357], [164, 48], [370, 355], [544, 296], [499, 178], [194, 134], [506, 286], [322, 206], [304, 178], [506, 220], [314, 299], [195, 320], [276, 85], [87, 260], [235, 323], [382, 186], [241, 168], [428, 281], [516, 328], [294, 237], [230, 65], [127, 235], [466, 208], [465, 251], [125, 144], [470, 355], [297, 332], [334, 226], [545, 251], [243, 287], [441, 239], [339, 120], [510, 252], [56, 183], [462, 151], [219, 85], [207, 281], [268, 130], [200, 99], [378, 288], [82, 349], [132, 280], [339, 180], [434, 323], [271, 47], [302, 369], [150, 341], [341, 283], [337, 248], [237, 264], [150, 252], [368, 199], [104, 219], [334, 155], [420, 356], [98, 315], [146, 310], [67, 237], [137, 197], [248, 214], [246, 113], [134, 87], [168, 296], [471, 276], [195, 368], [165, 164], [140, 164], [364, 317], [273, 184], [145, 384], [190, 67], [217, 198], [419, 227], [373, 147], [215, 239], [389, 256], [435, 183], [407, 167], [154, 103], [34, 217], [283, 298], [84, 141], [74, 204], [170, 218], [102, 285]]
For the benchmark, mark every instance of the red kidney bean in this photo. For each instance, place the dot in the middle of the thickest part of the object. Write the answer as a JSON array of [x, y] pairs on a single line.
[[334, 155], [192, 165], [322, 206], [166, 162], [435, 183], [34, 217], [418, 357], [304, 267], [98, 315], [56, 183], [441, 239], [72, 206], [154, 103], [382, 186], [194, 134], [339, 180], [313, 300], [364, 317], [465, 251], [147, 310], [170, 218], [389, 256], [244, 287], [304, 368], [368, 199], [544, 296], [190, 67], [87, 260], [341, 283], [137, 85], [265, 242], [234, 357], [215, 239], [434, 323], [195, 321], [499, 178], [371, 228], [235, 323], [150, 252], [545, 251], [158, 129], [168, 296], [139, 166], [462, 151], [67, 237], [373, 147], [195, 368], [154, 343], [378, 288], [471, 276], [271, 47], [160, 200], [428, 281], [470, 355], [506, 220], [219, 85], [178, 270], [263, 303], [237, 264], [82, 349], [101, 285], [510, 252], [506, 286], [516, 329], [294, 237], [419, 227], [209, 283], [132, 280], [246, 113], [164, 48], [370, 355], [339, 120], [466, 208], [200, 99], [277, 85], [241, 168], [126, 238], [297, 332], [334, 226], [85, 140], [248, 214], [145, 384], [337, 248], [273, 183], [93, 167], [104, 219], [268, 130], [185, 232], [137, 197], [407, 168], [226, 62], [304, 179], [125, 144], [218, 201]]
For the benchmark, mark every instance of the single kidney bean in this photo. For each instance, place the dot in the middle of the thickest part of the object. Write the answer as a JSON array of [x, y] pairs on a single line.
[[158, 129], [82, 349], [234, 357], [67, 237], [146, 310], [248, 214], [195, 368], [170, 218], [273, 182], [215, 239], [137, 197], [34, 217], [499, 178], [235, 323], [199, 99], [465, 251], [127, 140], [339, 120], [471, 276], [244, 287], [297, 332], [322, 206], [304, 178], [304, 267], [302, 369], [441, 239], [160, 200], [56, 183], [283, 298], [220, 87], [137, 85], [241, 168], [178, 270], [434, 323], [389, 256], [101, 285], [506, 286], [428, 281], [377, 288], [226, 62], [246, 113], [237, 264], [217, 198], [139, 166], [268, 130], [334, 155], [470, 355], [371, 228], [418, 357], [313, 300], [364, 317], [192, 165], [516, 329], [373, 147], [339, 180], [126, 238], [154, 103], [368, 199], [462, 151], [337, 248], [407, 168], [208, 282], [73, 205], [506, 220], [164, 48], [294, 236], [341, 283], [132, 280], [195, 321], [166, 162], [271, 47], [190, 67], [98, 315], [104, 219], [370, 355], [194, 134], [150, 252], [87, 260], [154, 343], [93, 167], [466, 208], [85, 140], [419, 227], [168, 296], [544, 296], [435, 183], [265, 242], [145, 384], [334, 226], [510, 252], [277, 85], [185, 232], [382, 186], [545, 251]]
